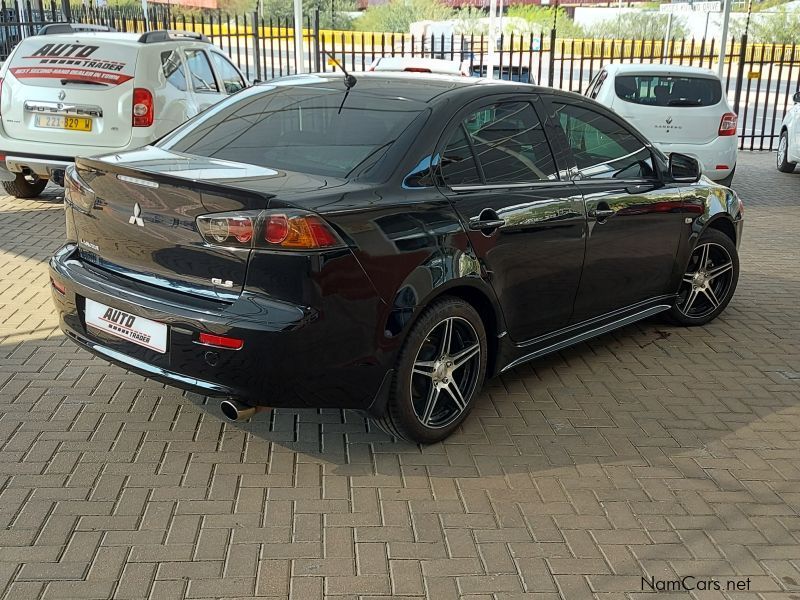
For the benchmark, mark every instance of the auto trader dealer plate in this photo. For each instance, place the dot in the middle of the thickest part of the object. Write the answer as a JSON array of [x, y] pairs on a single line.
[[147, 333]]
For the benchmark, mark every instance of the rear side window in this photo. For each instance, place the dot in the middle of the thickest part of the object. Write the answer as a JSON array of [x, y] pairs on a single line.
[[308, 129], [594, 87], [231, 79], [200, 71], [458, 162], [172, 68], [602, 147], [658, 90], [509, 144]]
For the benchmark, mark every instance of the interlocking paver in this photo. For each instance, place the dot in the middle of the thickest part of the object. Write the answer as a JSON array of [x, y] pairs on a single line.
[[652, 451]]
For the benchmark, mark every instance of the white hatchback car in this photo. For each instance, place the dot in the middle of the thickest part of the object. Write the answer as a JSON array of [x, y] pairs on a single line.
[[77, 90], [789, 142], [679, 109]]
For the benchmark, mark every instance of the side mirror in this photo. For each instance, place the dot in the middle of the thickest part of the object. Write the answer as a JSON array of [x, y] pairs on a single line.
[[796, 97], [683, 168]]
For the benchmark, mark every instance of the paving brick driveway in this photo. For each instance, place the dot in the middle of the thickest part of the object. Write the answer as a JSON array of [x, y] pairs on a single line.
[[653, 451]]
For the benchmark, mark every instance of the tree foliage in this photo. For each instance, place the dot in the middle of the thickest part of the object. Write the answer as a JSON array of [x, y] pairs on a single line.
[[779, 27], [332, 13], [397, 15], [638, 26]]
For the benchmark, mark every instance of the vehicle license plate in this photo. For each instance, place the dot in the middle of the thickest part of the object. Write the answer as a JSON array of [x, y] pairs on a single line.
[[147, 333], [60, 122]]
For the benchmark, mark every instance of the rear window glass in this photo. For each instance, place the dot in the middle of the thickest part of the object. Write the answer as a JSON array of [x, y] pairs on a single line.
[[312, 130], [658, 90]]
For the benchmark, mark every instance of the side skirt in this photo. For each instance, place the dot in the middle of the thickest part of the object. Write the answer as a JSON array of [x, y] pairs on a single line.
[[587, 334]]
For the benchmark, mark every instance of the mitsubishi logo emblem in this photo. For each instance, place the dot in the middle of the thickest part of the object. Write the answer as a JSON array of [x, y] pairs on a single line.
[[669, 120], [62, 94], [136, 217]]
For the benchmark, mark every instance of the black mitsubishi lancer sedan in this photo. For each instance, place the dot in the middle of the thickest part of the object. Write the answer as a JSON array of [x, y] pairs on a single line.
[[384, 243]]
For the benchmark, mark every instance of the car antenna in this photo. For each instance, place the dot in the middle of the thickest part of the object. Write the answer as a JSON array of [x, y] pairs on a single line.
[[349, 80]]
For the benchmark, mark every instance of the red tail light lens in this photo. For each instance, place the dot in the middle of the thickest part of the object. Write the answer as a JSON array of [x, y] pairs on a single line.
[[728, 123], [76, 191], [226, 230], [58, 286], [220, 341], [143, 108], [301, 232], [293, 229]]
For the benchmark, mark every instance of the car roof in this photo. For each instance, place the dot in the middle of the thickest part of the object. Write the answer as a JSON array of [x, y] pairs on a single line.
[[657, 69], [117, 37], [425, 87]]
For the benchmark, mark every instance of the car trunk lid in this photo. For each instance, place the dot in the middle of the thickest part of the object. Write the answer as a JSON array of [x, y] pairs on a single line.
[[142, 223], [70, 89]]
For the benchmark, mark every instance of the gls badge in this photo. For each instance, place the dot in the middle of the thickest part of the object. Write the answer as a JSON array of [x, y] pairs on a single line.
[[136, 217]]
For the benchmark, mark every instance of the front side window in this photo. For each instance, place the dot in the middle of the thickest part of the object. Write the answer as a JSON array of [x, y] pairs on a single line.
[[231, 79], [316, 130], [602, 147], [200, 72], [661, 90], [172, 69]]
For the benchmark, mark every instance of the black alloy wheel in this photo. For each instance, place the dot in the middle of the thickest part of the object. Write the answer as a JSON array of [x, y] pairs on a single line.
[[709, 280], [440, 371]]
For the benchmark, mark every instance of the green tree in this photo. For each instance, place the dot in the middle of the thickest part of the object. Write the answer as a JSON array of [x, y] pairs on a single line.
[[332, 13], [779, 27], [397, 15], [638, 26], [540, 19]]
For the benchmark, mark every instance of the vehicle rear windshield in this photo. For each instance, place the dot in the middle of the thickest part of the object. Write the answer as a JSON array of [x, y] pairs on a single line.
[[663, 90], [322, 131]]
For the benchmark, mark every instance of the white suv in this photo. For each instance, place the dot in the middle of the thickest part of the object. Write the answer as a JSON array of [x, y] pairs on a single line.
[[679, 109], [77, 90], [789, 142]]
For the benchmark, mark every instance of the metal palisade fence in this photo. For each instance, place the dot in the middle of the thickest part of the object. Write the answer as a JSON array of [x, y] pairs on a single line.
[[760, 79]]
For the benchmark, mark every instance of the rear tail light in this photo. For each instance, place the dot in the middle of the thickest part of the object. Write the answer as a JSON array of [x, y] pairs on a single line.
[[226, 230], [293, 230], [302, 232], [220, 341], [143, 109], [727, 125]]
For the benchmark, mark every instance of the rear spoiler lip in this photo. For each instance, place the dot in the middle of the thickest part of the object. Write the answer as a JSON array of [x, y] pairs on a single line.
[[94, 165]]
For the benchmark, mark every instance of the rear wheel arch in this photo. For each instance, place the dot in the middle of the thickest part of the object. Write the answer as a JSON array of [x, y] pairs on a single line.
[[725, 225], [481, 301]]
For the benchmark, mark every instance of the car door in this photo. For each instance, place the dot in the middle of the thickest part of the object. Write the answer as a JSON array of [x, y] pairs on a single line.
[[525, 223], [206, 90], [634, 217]]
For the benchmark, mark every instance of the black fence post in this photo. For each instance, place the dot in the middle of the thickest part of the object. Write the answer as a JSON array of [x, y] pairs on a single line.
[[256, 44], [552, 67], [737, 95]]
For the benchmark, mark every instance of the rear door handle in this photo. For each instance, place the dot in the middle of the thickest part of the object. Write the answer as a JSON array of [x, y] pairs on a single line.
[[481, 224], [601, 213]]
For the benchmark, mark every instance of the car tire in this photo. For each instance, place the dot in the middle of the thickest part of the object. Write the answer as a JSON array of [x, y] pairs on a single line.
[[25, 186], [435, 383], [784, 166], [709, 280], [726, 181]]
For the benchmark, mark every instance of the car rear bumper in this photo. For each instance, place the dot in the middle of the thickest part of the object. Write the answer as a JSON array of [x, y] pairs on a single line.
[[49, 160], [291, 356], [717, 158]]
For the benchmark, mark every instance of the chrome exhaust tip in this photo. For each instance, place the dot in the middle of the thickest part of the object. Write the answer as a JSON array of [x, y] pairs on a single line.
[[233, 410]]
